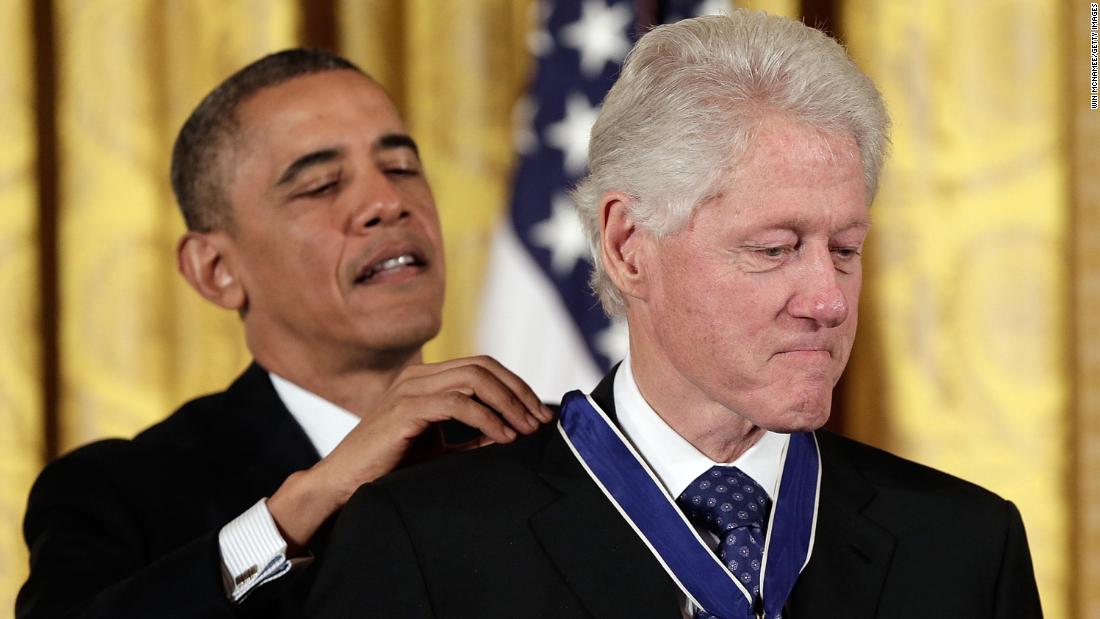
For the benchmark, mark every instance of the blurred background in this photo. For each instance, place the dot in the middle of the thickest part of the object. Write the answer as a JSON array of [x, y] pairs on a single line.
[[978, 348]]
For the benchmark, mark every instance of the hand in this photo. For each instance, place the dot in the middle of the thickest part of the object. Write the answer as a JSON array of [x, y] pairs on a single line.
[[477, 391]]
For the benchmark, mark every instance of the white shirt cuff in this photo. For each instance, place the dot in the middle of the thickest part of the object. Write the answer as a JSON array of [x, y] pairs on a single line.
[[253, 552]]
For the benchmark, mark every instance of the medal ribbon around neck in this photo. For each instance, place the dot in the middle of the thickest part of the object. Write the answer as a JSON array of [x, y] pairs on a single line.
[[634, 490]]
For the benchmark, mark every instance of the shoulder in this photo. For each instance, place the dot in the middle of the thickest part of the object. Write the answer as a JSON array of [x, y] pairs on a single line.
[[469, 481], [512, 462], [196, 422], [187, 428], [184, 444], [137, 461], [886, 470], [906, 492]]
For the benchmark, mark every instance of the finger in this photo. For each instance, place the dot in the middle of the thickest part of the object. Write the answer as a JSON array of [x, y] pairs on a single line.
[[477, 382], [453, 405], [489, 390], [517, 385]]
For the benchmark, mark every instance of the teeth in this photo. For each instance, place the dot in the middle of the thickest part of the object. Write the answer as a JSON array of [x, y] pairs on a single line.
[[393, 263]]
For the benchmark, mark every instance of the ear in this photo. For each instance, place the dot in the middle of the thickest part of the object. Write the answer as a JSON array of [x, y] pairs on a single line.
[[203, 259], [622, 245]]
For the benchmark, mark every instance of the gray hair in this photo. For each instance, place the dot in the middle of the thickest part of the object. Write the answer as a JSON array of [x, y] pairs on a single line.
[[686, 106]]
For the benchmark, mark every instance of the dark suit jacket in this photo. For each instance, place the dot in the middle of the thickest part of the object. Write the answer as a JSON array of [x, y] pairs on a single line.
[[520, 530], [129, 528]]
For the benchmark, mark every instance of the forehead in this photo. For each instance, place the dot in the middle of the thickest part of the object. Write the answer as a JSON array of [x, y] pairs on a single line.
[[783, 145], [317, 108], [792, 176]]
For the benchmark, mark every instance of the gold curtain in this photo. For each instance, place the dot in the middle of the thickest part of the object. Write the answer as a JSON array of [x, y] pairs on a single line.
[[21, 422], [962, 359], [1085, 136], [135, 341], [961, 362]]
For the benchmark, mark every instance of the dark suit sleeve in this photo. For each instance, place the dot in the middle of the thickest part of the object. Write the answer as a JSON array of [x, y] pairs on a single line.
[[369, 567], [88, 554], [1017, 595]]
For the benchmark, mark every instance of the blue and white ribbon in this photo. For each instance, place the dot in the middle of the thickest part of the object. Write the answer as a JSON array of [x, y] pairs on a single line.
[[634, 490]]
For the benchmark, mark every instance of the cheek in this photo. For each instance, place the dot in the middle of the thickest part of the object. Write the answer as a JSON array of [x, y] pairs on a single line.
[[316, 239], [680, 296], [708, 320]]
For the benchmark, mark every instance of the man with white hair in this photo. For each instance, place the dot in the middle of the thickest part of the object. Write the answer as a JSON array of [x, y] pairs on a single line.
[[732, 167]]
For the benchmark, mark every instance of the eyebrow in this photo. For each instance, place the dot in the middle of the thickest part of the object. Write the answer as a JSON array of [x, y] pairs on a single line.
[[396, 140], [796, 224], [860, 223], [308, 160]]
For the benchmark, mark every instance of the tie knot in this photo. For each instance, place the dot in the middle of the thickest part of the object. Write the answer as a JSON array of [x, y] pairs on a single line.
[[723, 499]]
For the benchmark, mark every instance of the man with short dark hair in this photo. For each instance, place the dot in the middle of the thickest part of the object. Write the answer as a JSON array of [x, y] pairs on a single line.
[[732, 167], [309, 214]]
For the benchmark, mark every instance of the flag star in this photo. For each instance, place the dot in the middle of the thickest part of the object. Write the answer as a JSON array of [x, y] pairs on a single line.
[[562, 236], [713, 7], [524, 138], [614, 341], [570, 134], [600, 35]]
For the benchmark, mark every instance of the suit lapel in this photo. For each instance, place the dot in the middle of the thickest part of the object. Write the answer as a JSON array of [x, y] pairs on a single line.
[[267, 443], [599, 555], [851, 554]]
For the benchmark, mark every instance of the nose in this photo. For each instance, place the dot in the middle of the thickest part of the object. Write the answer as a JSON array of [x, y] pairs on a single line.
[[380, 204], [818, 295]]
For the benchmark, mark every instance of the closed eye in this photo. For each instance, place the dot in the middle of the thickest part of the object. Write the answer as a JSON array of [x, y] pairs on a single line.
[[318, 192], [774, 252], [403, 171], [761, 258], [322, 189], [845, 259]]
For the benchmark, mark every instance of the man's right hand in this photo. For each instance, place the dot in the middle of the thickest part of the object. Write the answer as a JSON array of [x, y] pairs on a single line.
[[476, 391]]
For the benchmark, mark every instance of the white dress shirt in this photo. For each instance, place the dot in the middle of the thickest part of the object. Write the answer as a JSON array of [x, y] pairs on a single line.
[[325, 423], [676, 462], [253, 551]]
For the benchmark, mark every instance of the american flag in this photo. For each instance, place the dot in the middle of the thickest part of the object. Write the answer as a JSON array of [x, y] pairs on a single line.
[[539, 316]]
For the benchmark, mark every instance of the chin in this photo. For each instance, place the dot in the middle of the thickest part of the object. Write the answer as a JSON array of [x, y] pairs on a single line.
[[802, 421], [409, 332], [802, 415], [412, 336]]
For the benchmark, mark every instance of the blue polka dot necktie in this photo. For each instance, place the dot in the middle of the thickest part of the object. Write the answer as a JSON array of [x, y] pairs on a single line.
[[731, 505]]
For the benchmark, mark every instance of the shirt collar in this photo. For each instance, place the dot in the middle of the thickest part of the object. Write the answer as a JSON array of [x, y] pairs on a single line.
[[675, 461], [325, 423]]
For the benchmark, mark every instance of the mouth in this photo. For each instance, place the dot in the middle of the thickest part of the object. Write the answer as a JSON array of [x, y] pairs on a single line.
[[391, 265], [807, 353]]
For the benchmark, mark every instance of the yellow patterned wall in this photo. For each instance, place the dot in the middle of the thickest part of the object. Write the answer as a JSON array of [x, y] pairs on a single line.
[[455, 70], [21, 420], [1085, 138], [962, 358], [135, 340]]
